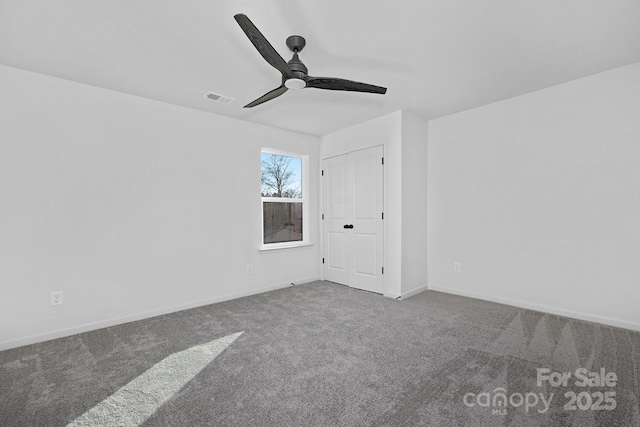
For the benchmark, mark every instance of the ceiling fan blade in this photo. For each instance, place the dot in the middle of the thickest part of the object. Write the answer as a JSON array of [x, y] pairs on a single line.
[[262, 44], [267, 96], [331, 83]]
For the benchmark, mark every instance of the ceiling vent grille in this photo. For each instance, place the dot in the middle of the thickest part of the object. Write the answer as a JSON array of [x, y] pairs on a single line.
[[219, 98]]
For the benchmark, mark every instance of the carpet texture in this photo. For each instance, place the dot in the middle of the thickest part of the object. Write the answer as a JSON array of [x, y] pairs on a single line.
[[321, 354]]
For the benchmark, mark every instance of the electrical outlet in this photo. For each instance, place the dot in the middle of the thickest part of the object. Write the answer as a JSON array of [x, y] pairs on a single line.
[[56, 298], [457, 267], [249, 269]]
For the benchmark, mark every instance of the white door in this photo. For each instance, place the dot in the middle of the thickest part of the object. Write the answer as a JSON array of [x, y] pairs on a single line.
[[353, 219]]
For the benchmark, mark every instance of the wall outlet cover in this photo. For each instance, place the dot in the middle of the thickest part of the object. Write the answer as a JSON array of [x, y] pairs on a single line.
[[56, 298]]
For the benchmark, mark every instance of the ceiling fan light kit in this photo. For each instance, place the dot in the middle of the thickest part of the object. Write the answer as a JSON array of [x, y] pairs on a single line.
[[295, 83], [294, 73]]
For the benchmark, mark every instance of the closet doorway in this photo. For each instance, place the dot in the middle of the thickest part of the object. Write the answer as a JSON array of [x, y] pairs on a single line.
[[353, 219]]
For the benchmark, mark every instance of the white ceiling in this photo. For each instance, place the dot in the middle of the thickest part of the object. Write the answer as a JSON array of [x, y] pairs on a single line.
[[436, 57]]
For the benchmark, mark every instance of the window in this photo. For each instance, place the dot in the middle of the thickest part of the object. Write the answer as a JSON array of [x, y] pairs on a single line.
[[284, 207]]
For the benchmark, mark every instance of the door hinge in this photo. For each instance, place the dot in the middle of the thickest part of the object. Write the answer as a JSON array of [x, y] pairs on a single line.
[[383, 160], [323, 216], [382, 215], [323, 260], [382, 270], [322, 172]]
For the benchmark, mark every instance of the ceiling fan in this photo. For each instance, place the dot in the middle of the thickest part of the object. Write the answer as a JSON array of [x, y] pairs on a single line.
[[294, 73]]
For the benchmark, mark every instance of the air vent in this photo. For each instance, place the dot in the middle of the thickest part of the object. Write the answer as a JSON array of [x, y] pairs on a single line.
[[219, 98]]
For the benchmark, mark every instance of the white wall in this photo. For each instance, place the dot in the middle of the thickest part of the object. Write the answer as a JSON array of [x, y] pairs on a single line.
[[539, 198], [131, 207], [414, 204]]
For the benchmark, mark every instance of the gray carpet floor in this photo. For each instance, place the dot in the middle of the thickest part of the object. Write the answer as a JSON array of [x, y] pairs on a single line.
[[321, 354]]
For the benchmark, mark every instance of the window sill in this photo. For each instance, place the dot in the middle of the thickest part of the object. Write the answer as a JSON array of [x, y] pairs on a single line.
[[276, 246]]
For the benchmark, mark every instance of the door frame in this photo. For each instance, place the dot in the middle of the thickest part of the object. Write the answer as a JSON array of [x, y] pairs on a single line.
[[358, 147]]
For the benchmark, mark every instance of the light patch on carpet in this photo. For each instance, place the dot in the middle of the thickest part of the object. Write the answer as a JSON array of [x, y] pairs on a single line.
[[136, 401]]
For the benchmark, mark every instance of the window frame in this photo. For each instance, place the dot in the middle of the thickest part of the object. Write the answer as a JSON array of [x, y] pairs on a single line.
[[304, 200]]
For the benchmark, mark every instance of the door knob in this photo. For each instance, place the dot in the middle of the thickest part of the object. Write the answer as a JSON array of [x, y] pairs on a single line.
[[348, 226]]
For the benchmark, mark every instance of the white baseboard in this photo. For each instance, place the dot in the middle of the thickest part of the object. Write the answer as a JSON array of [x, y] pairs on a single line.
[[391, 295], [405, 295], [61, 333], [543, 308], [416, 291]]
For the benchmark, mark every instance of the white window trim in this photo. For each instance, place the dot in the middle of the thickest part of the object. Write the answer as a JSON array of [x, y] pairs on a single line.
[[304, 200]]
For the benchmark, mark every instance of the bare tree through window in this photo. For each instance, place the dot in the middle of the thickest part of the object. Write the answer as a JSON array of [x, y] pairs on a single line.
[[279, 178], [282, 198]]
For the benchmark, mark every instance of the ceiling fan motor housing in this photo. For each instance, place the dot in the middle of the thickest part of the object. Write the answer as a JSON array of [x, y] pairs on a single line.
[[298, 69], [295, 45]]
